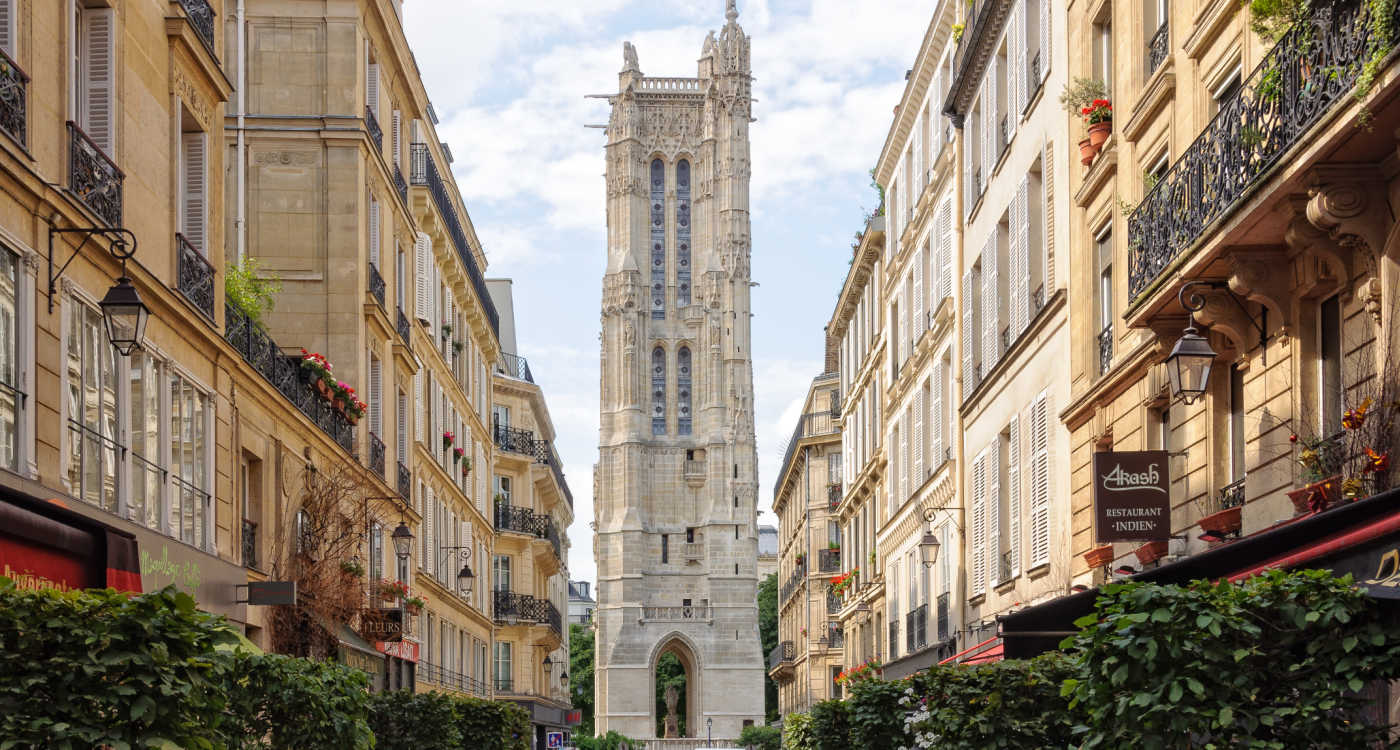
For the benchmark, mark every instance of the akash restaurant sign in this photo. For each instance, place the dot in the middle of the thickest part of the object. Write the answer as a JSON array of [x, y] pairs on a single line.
[[1132, 500]]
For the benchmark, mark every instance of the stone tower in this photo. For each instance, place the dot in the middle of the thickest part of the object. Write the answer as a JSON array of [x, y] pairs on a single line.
[[675, 486]]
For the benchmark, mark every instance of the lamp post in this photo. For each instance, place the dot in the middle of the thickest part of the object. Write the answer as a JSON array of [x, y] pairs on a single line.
[[709, 727], [124, 314], [929, 544], [465, 578]]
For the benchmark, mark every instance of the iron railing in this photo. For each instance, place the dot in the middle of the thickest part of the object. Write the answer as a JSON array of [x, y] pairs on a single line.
[[376, 454], [1232, 494], [437, 675], [423, 171], [781, 653], [372, 125], [515, 366], [676, 614], [194, 276], [508, 605], [521, 520], [376, 285], [94, 177], [1004, 567], [1157, 49], [201, 17], [504, 685], [1312, 67], [405, 481], [1034, 66], [405, 331], [250, 543], [833, 604], [916, 628], [1105, 348], [14, 102], [833, 496], [797, 578], [556, 467], [400, 184], [943, 615], [829, 560], [285, 374], [1003, 135], [513, 439], [835, 638], [977, 18], [808, 425]]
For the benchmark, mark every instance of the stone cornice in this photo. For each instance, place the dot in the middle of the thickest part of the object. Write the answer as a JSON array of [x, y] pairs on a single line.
[[972, 63], [872, 242]]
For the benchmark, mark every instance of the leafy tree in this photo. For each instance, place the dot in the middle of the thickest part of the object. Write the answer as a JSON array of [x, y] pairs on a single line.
[[495, 724], [831, 728], [669, 673], [797, 732], [762, 738], [609, 741], [768, 636], [581, 655], [281, 703], [1011, 704], [404, 720], [870, 706]]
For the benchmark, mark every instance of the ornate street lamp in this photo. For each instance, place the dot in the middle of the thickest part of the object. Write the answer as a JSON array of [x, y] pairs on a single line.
[[1189, 365], [403, 541], [465, 578], [548, 665], [929, 544], [126, 316]]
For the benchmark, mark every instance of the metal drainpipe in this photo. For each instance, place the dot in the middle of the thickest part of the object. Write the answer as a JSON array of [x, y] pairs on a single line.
[[241, 150]]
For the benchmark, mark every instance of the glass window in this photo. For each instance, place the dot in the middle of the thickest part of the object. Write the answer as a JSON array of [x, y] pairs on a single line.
[[147, 475], [1330, 364], [376, 552], [658, 391], [1236, 423], [189, 412], [11, 397], [92, 408], [501, 573], [683, 391], [658, 240], [503, 667], [683, 234]]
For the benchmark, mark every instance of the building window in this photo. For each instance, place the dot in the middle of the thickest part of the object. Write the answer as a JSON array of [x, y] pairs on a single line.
[[502, 488], [92, 79], [1227, 89], [376, 396], [500, 415], [147, 475], [1236, 423], [93, 449], [500, 569], [658, 240], [504, 682], [1330, 365], [193, 184], [665, 548], [190, 421], [11, 395], [1103, 48], [1103, 290], [376, 552], [682, 234], [683, 391], [401, 434], [658, 391]]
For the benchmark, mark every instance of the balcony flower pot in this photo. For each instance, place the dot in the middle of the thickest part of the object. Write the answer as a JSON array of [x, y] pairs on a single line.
[[350, 416], [1317, 496], [1099, 557], [1087, 152], [1222, 523], [1151, 552], [1098, 133]]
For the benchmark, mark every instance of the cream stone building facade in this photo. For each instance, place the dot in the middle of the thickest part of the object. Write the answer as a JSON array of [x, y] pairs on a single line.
[[810, 638], [675, 484]]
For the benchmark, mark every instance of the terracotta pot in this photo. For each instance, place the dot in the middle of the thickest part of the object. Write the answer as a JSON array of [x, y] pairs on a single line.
[[1099, 557], [1317, 496], [1222, 522], [1087, 152], [338, 404], [1151, 552], [1098, 133], [322, 388], [351, 418]]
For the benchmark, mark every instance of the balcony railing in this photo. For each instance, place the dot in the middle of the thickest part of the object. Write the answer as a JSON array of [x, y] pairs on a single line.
[[676, 614], [833, 604], [94, 177], [508, 606], [400, 184], [284, 373], [405, 331], [521, 520], [405, 481], [1004, 567], [423, 171], [834, 638], [1157, 49], [194, 276], [813, 424], [978, 13], [829, 560], [1311, 68], [376, 454], [514, 439], [376, 285], [372, 125], [693, 550], [14, 103], [1034, 66], [434, 674], [833, 496], [1003, 135], [250, 543], [781, 653], [1232, 494], [201, 17], [943, 616], [556, 467], [1105, 348], [514, 366], [797, 578], [916, 628], [504, 685]]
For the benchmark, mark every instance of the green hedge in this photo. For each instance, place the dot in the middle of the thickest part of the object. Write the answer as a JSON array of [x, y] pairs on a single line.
[[1009, 704], [281, 702], [831, 729], [761, 738], [494, 724], [609, 741], [403, 720], [797, 732]]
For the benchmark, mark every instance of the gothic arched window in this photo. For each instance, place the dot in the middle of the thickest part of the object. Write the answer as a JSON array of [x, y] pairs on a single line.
[[658, 391], [682, 233], [658, 239], [683, 391]]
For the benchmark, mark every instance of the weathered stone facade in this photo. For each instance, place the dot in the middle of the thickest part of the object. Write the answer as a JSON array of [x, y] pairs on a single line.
[[675, 485]]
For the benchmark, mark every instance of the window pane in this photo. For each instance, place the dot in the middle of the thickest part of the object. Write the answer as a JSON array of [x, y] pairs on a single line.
[[9, 388]]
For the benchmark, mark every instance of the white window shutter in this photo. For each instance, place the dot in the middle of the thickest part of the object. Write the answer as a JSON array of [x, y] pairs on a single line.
[[979, 525], [194, 192], [989, 128], [969, 337], [1045, 37], [1020, 261], [7, 27], [944, 229], [376, 397], [1016, 77], [99, 76], [920, 323], [423, 249], [401, 433], [372, 88], [936, 418], [1047, 216], [969, 190], [910, 478], [993, 471], [1013, 494], [990, 325], [919, 407], [396, 136], [1040, 483], [374, 231], [429, 523]]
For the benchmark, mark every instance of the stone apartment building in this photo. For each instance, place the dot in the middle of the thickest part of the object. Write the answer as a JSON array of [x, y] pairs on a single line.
[[810, 639]]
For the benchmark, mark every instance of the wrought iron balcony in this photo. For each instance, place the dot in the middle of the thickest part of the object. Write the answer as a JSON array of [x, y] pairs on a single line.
[[1003, 135], [1105, 348], [509, 606], [14, 86], [780, 654], [1232, 494], [514, 366], [833, 604], [405, 331], [916, 629], [521, 520], [514, 439], [556, 467], [829, 560], [376, 454], [284, 373], [423, 171], [372, 126], [1157, 49], [94, 177], [943, 615], [796, 579], [975, 21], [194, 276], [814, 424], [676, 614], [1312, 67], [434, 674], [833, 496], [1004, 567], [376, 285], [250, 543], [405, 481], [1034, 66], [400, 184], [201, 17]]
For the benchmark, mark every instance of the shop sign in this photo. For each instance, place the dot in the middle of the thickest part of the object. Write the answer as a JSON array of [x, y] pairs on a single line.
[[1375, 568], [211, 581], [33, 566], [384, 625], [406, 650], [1132, 499]]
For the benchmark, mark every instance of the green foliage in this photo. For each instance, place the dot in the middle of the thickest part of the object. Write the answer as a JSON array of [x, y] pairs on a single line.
[[761, 738], [92, 669], [670, 673], [1275, 661], [609, 741], [581, 647], [494, 724], [797, 732], [870, 707], [768, 637], [1009, 704], [1080, 92], [1270, 19], [831, 729], [280, 702], [404, 720], [250, 288]]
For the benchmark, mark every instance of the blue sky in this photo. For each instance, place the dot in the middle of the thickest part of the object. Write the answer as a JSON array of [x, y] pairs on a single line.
[[508, 79]]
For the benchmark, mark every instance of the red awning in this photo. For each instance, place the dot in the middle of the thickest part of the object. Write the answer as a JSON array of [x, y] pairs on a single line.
[[1326, 546], [985, 652], [42, 544]]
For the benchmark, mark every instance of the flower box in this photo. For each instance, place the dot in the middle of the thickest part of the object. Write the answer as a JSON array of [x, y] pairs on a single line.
[[1318, 496], [1099, 557], [1151, 552], [1222, 523]]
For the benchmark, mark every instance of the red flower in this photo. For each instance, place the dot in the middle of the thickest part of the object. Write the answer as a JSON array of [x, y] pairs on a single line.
[[1377, 462]]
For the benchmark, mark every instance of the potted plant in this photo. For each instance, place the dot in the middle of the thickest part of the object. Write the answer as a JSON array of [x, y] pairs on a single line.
[[355, 409], [390, 591], [1078, 94], [457, 347], [801, 559], [339, 394], [1098, 114], [317, 372], [447, 439], [446, 329], [1319, 458], [833, 545], [466, 468], [1099, 557], [457, 454], [1222, 518], [1151, 552], [414, 604], [352, 567]]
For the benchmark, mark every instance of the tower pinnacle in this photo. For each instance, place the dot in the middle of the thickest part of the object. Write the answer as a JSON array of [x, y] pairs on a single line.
[[732, 12]]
